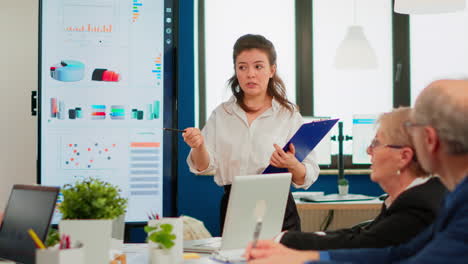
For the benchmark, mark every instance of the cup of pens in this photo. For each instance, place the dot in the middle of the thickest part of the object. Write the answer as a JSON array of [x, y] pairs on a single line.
[[60, 256], [63, 254]]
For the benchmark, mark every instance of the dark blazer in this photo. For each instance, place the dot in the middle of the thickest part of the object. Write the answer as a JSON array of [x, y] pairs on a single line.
[[411, 212], [445, 241]]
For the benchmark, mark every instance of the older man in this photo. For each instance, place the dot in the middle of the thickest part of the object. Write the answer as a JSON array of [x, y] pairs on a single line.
[[439, 129]]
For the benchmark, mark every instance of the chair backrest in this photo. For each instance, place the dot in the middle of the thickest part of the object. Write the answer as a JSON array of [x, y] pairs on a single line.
[[194, 229]]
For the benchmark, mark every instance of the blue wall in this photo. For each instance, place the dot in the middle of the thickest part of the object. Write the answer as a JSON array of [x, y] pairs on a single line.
[[198, 196]]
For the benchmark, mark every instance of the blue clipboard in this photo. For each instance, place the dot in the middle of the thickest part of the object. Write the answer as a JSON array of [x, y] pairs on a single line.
[[305, 140]]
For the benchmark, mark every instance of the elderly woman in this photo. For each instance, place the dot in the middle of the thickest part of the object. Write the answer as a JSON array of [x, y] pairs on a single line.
[[413, 198]]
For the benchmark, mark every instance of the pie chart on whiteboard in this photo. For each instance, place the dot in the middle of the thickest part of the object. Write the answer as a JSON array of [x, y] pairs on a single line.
[[67, 71]]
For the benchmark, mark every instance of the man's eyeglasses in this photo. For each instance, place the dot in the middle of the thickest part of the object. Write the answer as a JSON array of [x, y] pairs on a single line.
[[375, 143], [409, 124]]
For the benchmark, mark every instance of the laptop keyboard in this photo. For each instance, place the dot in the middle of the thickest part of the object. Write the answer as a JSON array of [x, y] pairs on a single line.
[[6, 261]]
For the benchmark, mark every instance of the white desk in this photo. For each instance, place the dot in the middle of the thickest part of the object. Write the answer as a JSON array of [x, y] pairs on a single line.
[[346, 214], [138, 254]]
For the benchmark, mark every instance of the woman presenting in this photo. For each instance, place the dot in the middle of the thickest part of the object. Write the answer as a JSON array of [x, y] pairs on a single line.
[[245, 134]]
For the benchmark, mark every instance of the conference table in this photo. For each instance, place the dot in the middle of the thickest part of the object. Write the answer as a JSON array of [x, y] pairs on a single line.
[[314, 216], [138, 254]]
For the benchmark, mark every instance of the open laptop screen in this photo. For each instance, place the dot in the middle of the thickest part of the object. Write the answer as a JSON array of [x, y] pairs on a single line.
[[246, 192], [28, 207], [240, 221]]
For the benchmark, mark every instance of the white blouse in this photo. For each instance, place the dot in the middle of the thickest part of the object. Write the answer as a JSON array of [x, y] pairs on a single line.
[[235, 148]]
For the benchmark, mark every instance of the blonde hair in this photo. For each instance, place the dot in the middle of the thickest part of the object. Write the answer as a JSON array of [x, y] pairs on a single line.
[[392, 124]]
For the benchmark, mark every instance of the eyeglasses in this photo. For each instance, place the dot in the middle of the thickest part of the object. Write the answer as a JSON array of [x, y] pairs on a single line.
[[375, 143], [409, 124]]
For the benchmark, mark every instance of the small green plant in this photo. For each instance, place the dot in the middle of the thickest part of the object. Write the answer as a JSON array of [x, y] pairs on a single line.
[[161, 235], [343, 182], [53, 237], [92, 199]]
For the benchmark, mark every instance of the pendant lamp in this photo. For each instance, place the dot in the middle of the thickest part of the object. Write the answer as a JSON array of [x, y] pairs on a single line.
[[428, 6], [355, 51]]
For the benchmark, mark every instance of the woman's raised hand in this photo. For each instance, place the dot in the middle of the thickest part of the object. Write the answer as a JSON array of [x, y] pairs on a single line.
[[193, 137]]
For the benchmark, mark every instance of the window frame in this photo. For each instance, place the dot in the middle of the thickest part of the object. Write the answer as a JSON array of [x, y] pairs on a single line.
[[304, 64]]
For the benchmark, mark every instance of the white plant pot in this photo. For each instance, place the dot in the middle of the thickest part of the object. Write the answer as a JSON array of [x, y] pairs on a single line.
[[343, 189], [95, 236], [176, 252], [118, 229], [159, 256]]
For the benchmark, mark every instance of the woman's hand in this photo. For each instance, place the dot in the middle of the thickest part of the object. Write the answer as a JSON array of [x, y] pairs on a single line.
[[268, 251], [296, 257], [193, 137], [264, 248], [281, 159]]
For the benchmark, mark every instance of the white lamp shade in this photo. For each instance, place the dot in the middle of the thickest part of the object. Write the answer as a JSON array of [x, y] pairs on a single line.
[[355, 51], [428, 6]]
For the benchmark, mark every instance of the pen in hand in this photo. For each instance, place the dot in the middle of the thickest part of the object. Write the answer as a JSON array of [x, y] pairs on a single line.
[[260, 209], [174, 130], [258, 228]]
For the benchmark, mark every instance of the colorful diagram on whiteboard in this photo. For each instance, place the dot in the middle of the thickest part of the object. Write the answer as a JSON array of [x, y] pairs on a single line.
[[67, 71], [157, 69], [136, 10], [105, 75], [117, 112], [88, 154], [90, 28], [98, 112], [58, 110], [152, 112], [145, 168]]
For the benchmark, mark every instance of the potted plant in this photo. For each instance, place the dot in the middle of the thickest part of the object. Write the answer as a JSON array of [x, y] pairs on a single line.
[[161, 240], [165, 239], [343, 186], [53, 238], [88, 209]]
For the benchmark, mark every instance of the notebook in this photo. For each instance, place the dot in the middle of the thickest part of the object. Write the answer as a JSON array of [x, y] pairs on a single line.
[[28, 207], [246, 193]]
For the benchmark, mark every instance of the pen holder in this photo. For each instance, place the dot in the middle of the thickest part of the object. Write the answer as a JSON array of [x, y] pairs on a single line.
[[60, 256]]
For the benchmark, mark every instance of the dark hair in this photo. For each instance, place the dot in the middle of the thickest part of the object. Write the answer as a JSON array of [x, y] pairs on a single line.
[[276, 87]]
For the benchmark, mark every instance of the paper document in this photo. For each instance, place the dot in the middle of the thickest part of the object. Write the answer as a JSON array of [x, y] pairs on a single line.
[[206, 245], [305, 140], [229, 256], [337, 198]]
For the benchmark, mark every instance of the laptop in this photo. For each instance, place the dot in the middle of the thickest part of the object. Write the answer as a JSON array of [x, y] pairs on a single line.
[[28, 207], [246, 193]]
